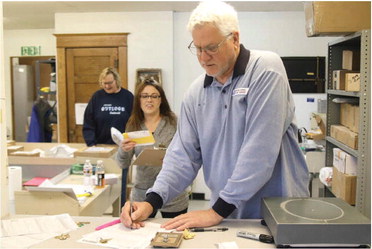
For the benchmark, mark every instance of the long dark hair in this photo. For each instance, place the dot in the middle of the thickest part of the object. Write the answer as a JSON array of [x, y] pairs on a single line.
[[137, 117]]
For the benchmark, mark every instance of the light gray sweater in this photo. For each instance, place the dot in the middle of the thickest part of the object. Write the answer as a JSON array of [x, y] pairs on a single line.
[[242, 134], [146, 175]]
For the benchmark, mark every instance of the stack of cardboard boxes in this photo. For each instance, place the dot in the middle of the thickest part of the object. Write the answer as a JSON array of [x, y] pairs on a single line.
[[348, 79], [344, 175], [345, 165]]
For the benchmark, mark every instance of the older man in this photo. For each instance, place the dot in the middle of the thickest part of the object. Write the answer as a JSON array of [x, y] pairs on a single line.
[[236, 123]]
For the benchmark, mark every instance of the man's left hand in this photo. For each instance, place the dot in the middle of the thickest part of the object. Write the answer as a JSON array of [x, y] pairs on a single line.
[[200, 218]]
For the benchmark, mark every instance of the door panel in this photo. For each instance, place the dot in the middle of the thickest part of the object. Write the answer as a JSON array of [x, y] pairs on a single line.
[[83, 68]]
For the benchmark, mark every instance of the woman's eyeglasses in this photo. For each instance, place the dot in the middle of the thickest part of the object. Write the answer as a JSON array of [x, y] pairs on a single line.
[[146, 96]]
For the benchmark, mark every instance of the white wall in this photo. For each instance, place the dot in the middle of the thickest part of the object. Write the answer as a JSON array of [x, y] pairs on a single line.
[[281, 32], [4, 211], [150, 42]]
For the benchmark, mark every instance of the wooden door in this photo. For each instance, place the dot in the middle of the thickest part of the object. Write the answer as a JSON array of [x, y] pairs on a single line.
[[83, 68], [80, 60]]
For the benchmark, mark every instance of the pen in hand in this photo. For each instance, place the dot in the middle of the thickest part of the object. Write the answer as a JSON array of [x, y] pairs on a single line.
[[130, 212], [218, 229]]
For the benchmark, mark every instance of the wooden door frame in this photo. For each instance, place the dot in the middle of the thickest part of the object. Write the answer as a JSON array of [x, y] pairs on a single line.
[[66, 41]]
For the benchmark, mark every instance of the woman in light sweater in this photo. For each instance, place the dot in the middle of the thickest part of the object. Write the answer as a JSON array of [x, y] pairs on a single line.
[[151, 112]]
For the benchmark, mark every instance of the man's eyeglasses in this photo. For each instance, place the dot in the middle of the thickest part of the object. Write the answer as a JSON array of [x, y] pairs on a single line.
[[210, 50], [153, 96]]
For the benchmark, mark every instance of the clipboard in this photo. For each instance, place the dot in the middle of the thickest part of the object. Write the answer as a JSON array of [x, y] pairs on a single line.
[[150, 157], [68, 191]]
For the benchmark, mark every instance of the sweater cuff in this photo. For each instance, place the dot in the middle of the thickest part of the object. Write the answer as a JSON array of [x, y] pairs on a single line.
[[223, 208], [155, 200]]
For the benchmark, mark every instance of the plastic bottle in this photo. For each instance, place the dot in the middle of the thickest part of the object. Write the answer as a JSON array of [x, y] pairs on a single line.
[[52, 84], [100, 172], [88, 171]]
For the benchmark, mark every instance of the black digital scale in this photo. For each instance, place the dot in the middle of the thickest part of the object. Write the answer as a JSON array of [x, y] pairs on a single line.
[[315, 222]]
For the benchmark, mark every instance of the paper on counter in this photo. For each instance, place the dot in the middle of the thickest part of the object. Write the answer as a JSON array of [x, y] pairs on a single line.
[[28, 153], [123, 237], [59, 151], [227, 245], [98, 149], [72, 190], [25, 232]]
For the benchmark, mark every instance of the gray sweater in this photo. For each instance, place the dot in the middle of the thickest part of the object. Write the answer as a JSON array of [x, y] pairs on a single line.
[[146, 175]]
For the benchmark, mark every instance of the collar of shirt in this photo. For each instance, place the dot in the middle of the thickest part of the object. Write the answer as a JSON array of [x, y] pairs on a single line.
[[239, 67]]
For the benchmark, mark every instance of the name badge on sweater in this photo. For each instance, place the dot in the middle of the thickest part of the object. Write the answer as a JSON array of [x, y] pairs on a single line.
[[240, 91]]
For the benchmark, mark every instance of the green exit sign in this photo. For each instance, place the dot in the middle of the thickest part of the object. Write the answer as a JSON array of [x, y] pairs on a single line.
[[31, 50]]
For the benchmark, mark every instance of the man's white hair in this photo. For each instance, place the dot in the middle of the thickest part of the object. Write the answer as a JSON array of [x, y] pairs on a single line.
[[220, 14]]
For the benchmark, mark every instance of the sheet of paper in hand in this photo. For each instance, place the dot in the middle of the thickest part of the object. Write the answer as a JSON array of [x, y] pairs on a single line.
[[116, 135], [140, 137]]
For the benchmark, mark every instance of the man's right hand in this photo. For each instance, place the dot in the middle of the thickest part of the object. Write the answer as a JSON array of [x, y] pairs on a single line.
[[140, 212]]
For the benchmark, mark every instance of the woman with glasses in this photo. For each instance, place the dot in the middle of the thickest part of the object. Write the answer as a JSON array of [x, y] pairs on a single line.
[[151, 112]]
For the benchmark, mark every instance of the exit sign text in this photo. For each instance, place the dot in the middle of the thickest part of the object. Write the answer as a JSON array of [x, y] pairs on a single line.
[[31, 50]]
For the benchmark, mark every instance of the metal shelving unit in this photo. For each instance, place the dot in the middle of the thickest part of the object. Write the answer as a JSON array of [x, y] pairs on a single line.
[[52, 63], [357, 41]]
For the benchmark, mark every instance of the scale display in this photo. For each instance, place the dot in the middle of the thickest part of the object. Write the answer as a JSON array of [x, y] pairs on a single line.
[[315, 222]]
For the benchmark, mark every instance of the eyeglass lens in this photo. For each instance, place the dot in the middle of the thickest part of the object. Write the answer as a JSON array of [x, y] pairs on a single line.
[[212, 49], [145, 96]]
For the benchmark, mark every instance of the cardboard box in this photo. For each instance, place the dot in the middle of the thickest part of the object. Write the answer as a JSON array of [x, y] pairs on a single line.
[[14, 148], [25, 153], [344, 162], [351, 60], [95, 151], [339, 79], [344, 186], [10, 142], [345, 136], [336, 18], [349, 116], [352, 82]]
